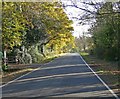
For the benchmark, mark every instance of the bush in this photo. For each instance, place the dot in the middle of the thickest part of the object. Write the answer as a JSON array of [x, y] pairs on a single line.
[[5, 67], [36, 56]]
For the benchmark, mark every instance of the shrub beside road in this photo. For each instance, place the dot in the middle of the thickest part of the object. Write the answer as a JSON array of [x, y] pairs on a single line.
[[16, 70]]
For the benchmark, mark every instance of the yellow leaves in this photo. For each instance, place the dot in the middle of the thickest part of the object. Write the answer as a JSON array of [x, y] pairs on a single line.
[[39, 19], [13, 24]]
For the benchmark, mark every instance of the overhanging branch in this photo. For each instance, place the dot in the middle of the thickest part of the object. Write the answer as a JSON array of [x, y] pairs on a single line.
[[79, 8]]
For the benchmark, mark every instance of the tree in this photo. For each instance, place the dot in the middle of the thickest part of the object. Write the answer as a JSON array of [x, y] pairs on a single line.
[[58, 26], [105, 33], [13, 26], [35, 25], [47, 26]]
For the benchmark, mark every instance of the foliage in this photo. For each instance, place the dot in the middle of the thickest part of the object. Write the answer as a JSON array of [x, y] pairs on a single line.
[[36, 26], [84, 43], [106, 33], [36, 56], [13, 25], [5, 68]]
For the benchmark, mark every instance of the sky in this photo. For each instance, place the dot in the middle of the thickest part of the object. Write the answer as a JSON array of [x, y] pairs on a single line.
[[79, 28], [74, 12]]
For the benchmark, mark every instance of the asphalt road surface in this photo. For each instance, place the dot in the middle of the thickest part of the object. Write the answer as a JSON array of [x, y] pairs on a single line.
[[66, 76]]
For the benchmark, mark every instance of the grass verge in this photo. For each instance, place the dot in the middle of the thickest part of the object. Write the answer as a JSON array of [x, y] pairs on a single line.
[[108, 71], [16, 70]]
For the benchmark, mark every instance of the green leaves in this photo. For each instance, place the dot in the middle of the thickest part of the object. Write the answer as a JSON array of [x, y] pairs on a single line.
[[105, 33], [29, 24], [13, 25]]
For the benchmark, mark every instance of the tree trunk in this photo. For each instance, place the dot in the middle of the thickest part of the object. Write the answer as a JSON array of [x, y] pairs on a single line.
[[42, 50], [5, 57]]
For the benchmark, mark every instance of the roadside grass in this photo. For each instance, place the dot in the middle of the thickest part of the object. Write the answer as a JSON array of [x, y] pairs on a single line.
[[108, 71], [6, 77], [16, 70], [49, 58]]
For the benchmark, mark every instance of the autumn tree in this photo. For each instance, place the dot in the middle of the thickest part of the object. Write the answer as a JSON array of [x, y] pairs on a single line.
[[13, 26], [35, 25]]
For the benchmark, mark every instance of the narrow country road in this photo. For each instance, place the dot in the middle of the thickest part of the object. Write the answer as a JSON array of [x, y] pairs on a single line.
[[66, 76]]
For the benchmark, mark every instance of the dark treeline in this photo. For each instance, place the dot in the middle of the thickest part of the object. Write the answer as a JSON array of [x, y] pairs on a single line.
[[106, 32]]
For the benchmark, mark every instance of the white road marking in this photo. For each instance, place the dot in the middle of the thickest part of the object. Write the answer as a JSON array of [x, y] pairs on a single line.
[[17, 78], [86, 65], [101, 80], [22, 76]]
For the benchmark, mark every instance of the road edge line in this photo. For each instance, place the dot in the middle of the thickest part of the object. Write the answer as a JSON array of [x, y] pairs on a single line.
[[18, 78], [23, 75], [100, 79]]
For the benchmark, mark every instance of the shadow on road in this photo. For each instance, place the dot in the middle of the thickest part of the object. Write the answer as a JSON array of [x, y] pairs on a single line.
[[66, 76]]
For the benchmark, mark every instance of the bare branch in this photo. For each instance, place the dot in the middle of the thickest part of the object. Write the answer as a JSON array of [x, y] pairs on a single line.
[[79, 8]]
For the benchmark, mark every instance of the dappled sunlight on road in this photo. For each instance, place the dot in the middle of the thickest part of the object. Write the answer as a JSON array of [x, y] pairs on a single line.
[[61, 85], [73, 84], [79, 90], [69, 54], [54, 76], [62, 66], [66, 76]]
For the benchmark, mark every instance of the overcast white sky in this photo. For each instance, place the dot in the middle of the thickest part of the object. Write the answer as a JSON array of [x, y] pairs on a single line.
[[74, 12], [78, 30]]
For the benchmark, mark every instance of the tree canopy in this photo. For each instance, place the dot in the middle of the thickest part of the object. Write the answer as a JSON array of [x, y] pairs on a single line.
[[36, 24], [106, 32]]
